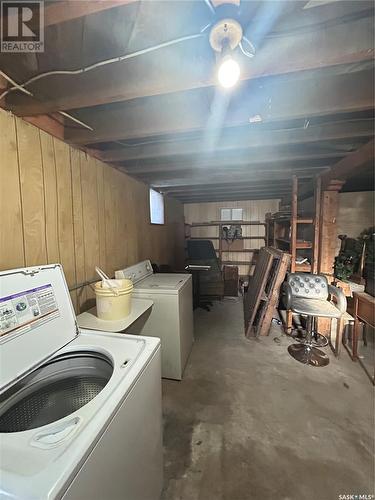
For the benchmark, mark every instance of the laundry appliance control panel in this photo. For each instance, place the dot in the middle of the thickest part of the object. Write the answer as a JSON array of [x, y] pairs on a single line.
[[137, 272]]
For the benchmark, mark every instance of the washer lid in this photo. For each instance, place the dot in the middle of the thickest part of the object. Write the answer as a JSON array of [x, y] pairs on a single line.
[[167, 282], [36, 319]]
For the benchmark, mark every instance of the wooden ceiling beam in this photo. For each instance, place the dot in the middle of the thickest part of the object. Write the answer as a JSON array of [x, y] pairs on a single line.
[[270, 188], [53, 124], [62, 11], [231, 174], [250, 196], [352, 165], [234, 196], [235, 139], [224, 187], [275, 100], [340, 46], [225, 179], [271, 161], [57, 12]]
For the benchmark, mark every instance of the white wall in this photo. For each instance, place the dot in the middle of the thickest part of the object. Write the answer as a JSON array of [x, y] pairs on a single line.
[[356, 213]]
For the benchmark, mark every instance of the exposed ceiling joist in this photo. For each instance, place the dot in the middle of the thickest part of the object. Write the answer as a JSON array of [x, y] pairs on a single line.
[[270, 188], [260, 185], [62, 11], [346, 168], [233, 196], [233, 140], [270, 160], [232, 174], [229, 197], [57, 12], [341, 45], [352, 165], [196, 110], [254, 175], [53, 124]]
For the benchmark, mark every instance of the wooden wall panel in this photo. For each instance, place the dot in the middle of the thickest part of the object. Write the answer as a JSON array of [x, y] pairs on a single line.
[[101, 214], [79, 244], [65, 210], [50, 198], [90, 218], [12, 253], [253, 210], [32, 193], [115, 217], [60, 205]]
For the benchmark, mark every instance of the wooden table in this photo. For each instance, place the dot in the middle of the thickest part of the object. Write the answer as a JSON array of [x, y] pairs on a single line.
[[364, 312]]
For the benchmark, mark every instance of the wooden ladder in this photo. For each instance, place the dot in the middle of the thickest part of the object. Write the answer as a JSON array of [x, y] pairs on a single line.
[[294, 243]]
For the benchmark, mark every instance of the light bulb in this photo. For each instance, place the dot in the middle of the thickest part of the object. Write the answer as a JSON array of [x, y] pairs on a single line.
[[229, 72]]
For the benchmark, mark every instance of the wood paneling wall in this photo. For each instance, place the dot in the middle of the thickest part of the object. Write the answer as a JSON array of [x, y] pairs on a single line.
[[58, 204], [253, 210]]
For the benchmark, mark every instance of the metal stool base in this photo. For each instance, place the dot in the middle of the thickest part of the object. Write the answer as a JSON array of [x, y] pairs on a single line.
[[308, 355], [320, 341]]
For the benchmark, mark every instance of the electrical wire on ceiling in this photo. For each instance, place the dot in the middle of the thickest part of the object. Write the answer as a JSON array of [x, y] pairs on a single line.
[[325, 24], [62, 113], [248, 52], [100, 63], [210, 6], [244, 51]]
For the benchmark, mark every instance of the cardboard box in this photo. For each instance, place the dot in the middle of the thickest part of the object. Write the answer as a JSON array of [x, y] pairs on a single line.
[[232, 245]]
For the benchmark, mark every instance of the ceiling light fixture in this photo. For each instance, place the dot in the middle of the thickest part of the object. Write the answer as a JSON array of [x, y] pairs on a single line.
[[225, 36], [229, 71]]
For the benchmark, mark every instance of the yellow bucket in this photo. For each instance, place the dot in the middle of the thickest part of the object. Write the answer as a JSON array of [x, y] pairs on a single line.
[[111, 306]]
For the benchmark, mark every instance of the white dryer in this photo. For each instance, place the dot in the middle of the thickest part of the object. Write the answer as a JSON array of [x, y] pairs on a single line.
[[80, 411], [171, 318]]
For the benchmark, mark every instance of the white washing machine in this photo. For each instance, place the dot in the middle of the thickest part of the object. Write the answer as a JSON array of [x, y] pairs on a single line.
[[80, 411], [171, 318]]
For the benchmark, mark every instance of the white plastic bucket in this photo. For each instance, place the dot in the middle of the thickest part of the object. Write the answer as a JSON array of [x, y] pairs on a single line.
[[111, 306]]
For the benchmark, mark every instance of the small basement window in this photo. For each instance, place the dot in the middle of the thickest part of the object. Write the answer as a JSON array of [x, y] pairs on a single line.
[[156, 207], [227, 214]]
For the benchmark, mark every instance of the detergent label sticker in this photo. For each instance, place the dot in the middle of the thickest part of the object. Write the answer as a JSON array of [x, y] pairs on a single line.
[[27, 310]]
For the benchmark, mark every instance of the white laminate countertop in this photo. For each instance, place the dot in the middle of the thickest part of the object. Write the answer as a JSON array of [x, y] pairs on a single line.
[[90, 321]]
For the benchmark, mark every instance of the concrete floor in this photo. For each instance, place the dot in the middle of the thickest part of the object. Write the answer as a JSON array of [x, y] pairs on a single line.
[[249, 422]]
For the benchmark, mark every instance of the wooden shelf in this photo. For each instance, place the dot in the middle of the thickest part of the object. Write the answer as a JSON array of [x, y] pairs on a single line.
[[303, 268], [220, 251], [203, 238], [225, 223], [303, 244], [300, 220], [238, 262], [217, 238], [299, 244], [252, 250], [305, 221]]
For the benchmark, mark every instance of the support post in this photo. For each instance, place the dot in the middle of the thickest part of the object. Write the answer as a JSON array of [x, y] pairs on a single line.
[[328, 239]]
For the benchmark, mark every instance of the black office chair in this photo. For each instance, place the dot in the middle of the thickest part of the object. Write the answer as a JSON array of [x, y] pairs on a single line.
[[203, 253], [308, 295]]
